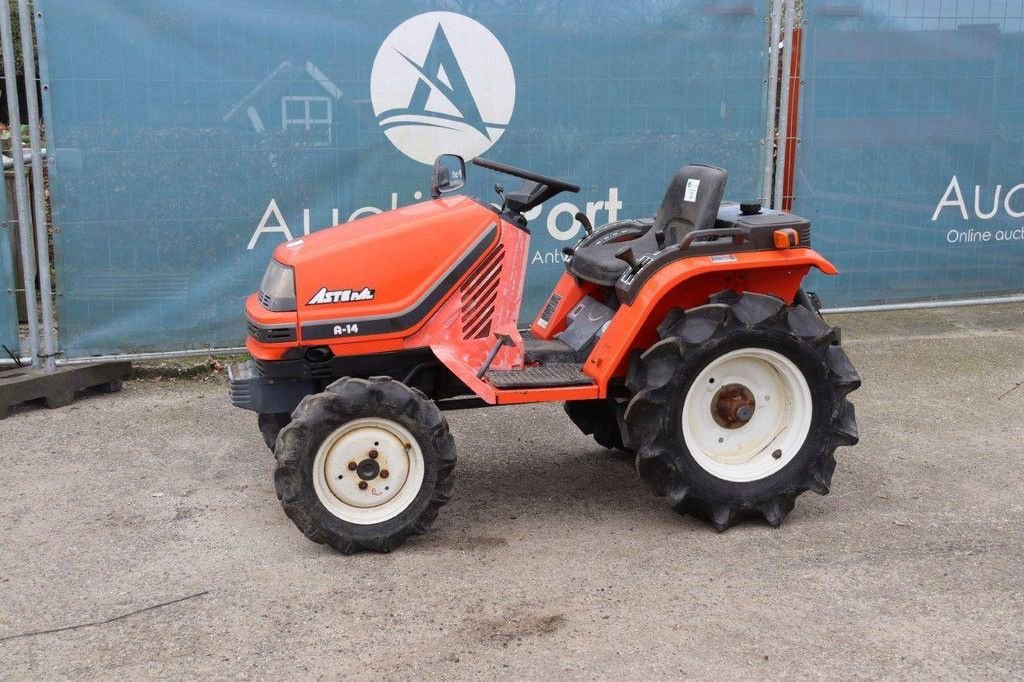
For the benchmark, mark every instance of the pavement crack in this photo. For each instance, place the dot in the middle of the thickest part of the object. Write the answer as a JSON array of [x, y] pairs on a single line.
[[1014, 388], [114, 619]]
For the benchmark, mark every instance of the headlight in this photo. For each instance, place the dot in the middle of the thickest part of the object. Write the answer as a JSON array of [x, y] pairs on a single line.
[[277, 290]]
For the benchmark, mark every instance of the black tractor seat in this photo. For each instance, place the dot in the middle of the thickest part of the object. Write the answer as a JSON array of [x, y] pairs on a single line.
[[691, 203], [598, 263]]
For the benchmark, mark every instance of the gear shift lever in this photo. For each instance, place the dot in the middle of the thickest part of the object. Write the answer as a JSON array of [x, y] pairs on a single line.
[[583, 220]]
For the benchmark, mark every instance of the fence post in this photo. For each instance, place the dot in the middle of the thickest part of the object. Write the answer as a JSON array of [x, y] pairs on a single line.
[[780, 156], [38, 200], [774, 29], [20, 188]]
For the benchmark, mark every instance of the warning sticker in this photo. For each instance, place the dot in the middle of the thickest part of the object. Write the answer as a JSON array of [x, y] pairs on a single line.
[[724, 258], [691, 190], [549, 310]]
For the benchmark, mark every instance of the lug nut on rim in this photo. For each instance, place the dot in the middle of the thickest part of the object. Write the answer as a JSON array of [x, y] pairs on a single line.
[[362, 485]]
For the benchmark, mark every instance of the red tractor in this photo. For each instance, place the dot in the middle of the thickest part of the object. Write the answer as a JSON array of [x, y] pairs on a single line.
[[685, 340]]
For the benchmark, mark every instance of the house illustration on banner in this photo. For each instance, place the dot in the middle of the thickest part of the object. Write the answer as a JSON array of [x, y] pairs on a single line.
[[291, 97]]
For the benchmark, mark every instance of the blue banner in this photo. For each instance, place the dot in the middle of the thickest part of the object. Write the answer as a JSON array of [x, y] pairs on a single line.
[[911, 155], [192, 137]]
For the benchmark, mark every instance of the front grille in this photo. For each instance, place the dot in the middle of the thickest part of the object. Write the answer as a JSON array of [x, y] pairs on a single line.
[[271, 334], [479, 294], [265, 300]]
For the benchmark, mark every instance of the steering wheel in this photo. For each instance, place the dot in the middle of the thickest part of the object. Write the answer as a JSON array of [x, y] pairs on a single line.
[[554, 183], [537, 189]]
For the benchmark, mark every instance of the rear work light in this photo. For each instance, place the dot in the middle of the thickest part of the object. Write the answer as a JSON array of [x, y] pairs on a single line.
[[277, 290]]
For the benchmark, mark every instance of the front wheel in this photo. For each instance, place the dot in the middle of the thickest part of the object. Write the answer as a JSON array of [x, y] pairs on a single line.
[[739, 408], [270, 424], [598, 418], [364, 465]]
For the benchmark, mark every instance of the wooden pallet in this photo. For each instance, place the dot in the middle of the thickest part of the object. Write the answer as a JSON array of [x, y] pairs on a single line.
[[57, 389]]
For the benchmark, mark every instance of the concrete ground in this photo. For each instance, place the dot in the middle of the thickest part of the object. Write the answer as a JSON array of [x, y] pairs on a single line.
[[551, 560]]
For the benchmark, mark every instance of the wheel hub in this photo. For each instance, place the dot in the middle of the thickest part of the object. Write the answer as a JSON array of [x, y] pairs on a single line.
[[368, 470], [733, 406], [746, 414]]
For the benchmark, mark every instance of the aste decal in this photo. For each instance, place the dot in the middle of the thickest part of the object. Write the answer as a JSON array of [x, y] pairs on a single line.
[[442, 83], [325, 295]]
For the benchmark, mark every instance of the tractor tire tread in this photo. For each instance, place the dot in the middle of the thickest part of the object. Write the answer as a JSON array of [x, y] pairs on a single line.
[[270, 425], [342, 401], [599, 419], [656, 377]]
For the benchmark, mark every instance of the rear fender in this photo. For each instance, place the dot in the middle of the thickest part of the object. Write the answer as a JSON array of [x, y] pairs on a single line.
[[688, 283]]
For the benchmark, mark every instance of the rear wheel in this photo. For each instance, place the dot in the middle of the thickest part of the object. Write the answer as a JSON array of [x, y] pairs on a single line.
[[739, 408], [364, 465]]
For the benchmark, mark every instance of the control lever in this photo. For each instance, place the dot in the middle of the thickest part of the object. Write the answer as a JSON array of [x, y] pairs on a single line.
[[583, 220], [628, 257], [500, 189], [500, 340]]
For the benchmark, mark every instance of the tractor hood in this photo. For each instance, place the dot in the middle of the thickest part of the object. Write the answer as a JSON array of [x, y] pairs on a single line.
[[385, 273]]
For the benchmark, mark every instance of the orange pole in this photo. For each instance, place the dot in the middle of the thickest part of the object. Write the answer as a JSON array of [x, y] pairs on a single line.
[[789, 172]]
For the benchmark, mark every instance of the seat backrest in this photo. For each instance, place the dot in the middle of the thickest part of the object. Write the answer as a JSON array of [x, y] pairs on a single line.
[[691, 202]]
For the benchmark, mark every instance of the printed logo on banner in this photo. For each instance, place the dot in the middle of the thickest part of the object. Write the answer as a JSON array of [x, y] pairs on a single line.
[[290, 98], [442, 83], [988, 204]]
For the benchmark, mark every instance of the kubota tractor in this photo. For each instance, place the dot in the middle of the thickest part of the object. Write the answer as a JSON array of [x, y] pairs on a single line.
[[685, 340]]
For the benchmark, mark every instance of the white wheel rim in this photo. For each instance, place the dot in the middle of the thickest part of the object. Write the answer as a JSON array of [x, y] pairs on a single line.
[[744, 450], [387, 459]]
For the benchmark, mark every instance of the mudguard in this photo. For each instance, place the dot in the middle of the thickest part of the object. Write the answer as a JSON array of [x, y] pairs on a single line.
[[689, 282]]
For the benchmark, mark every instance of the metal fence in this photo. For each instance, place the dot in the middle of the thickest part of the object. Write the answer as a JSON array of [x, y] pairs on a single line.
[[189, 138], [33, 240], [912, 148]]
